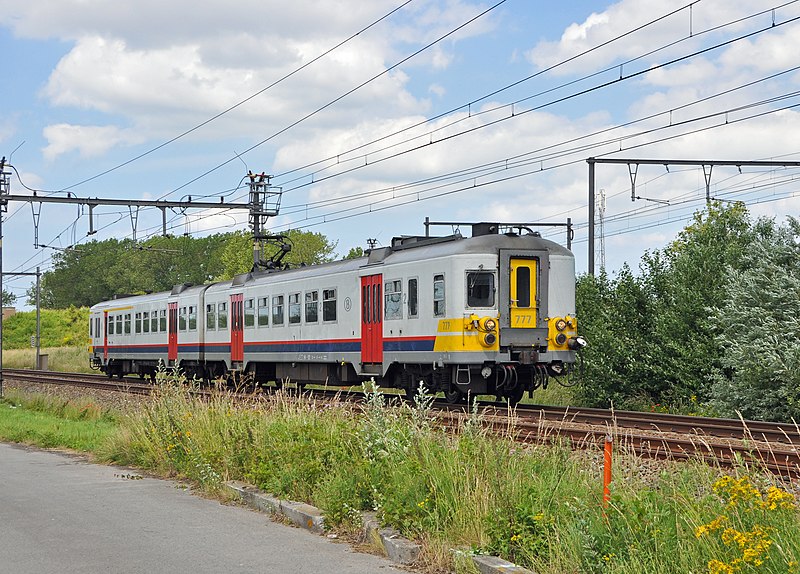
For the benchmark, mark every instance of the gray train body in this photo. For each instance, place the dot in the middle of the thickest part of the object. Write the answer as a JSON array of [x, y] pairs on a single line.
[[489, 314]]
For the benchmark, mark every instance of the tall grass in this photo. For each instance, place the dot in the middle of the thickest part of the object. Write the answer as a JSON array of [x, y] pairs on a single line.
[[53, 422], [538, 506], [63, 359], [59, 328]]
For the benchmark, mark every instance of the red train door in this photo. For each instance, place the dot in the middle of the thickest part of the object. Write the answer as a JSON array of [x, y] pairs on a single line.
[[172, 331], [105, 336], [371, 319], [237, 332]]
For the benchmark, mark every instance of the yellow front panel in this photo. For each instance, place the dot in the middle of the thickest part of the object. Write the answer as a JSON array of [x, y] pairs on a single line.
[[523, 293]]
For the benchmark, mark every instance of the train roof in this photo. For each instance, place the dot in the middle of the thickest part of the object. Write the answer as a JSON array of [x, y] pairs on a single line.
[[402, 250]]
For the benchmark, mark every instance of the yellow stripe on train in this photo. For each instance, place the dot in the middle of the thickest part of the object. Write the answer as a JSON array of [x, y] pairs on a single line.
[[466, 334]]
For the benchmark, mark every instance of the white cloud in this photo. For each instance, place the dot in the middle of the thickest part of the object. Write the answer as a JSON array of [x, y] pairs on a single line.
[[89, 141], [160, 68], [437, 90]]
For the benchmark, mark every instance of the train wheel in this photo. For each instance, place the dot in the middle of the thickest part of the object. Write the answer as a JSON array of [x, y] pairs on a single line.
[[453, 395], [412, 392], [515, 396]]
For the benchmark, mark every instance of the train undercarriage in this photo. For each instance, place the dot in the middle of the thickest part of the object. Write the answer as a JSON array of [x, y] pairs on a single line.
[[508, 381]]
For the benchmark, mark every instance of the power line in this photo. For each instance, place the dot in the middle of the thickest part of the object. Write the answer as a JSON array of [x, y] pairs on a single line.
[[342, 96], [339, 158], [597, 87], [242, 102]]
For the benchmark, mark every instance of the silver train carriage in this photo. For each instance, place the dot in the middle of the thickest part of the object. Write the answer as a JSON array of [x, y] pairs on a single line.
[[490, 314]]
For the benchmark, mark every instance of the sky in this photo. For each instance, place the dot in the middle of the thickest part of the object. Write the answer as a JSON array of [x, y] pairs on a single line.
[[372, 116]]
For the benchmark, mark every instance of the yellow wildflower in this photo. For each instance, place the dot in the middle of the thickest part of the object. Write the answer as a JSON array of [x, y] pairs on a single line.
[[715, 524], [717, 567], [777, 498]]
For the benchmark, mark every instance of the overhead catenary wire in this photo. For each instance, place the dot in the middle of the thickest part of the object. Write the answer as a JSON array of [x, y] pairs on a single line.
[[587, 51], [241, 102], [650, 69], [343, 95]]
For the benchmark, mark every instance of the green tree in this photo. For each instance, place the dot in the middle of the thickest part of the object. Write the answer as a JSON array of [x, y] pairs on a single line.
[[354, 253], [98, 270], [686, 280], [613, 313], [651, 339], [308, 248], [759, 326], [8, 298]]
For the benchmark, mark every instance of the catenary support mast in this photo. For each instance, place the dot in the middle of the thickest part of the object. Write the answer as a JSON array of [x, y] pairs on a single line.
[[633, 167], [264, 203]]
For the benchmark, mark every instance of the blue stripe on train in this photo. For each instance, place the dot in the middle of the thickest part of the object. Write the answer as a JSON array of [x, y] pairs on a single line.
[[305, 347], [408, 345], [288, 347]]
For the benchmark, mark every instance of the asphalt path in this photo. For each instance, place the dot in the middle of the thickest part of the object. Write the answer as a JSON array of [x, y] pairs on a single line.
[[60, 515]]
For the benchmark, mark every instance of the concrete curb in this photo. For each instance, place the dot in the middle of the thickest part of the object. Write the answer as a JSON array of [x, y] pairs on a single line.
[[398, 549], [495, 565], [298, 513]]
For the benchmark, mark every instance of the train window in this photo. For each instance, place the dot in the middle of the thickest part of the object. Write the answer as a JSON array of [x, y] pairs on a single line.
[[249, 313], [138, 323], [413, 298], [277, 310], [438, 296], [182, 319], [192, 318], [211, 317], [312, 306], [329, 304], [91, 328], [110, 324], [222, 316], [127, 323], [145, 321], [294, 308], [376, 303], [118, 322], [393, 296], [263, 311], [523, 295], [162, 320], [97, 326], [480, 289]]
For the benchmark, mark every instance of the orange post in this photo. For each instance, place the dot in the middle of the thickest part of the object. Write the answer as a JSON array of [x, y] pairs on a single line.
[[607, 471]]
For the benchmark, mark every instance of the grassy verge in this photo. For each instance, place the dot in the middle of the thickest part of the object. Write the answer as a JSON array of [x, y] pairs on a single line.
[[538, 506], [53, 423], [64, 359]]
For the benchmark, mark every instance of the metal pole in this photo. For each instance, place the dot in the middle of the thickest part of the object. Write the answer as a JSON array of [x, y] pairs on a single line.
[[569, 233], [1, 289], [2, 208], [591, 161], [38, 323]]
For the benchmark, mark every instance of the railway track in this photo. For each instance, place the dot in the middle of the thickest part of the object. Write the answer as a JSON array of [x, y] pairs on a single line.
[[775, 446], [100, 382]]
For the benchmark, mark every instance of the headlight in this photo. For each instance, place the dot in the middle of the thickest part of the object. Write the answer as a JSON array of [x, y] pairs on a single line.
[[576, 343], [561, 338], [561, 324], [490, 324], [489, 339]]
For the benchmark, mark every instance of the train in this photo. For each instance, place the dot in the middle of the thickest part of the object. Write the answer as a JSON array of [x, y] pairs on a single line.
[[492, 313]]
